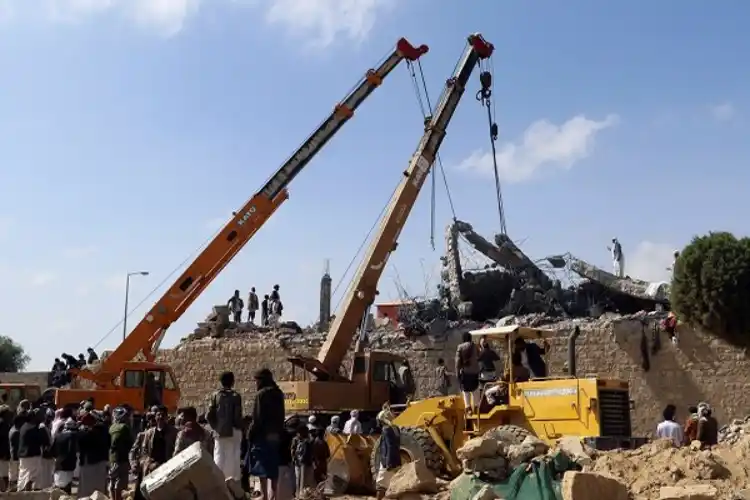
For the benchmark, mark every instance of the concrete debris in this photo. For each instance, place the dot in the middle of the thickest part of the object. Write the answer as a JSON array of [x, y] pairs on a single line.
[[735, 431], [655, 471], [657, 292], [412, 478], [191, 473], [592, 486], [515, 284]]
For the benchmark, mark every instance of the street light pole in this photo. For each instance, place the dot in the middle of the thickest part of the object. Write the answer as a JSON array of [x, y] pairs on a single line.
[[127, 294]]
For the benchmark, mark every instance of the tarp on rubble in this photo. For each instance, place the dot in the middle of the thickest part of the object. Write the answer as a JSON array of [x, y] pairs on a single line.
[[534, 481]]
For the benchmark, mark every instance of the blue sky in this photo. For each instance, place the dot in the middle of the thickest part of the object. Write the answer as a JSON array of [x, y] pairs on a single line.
[[131, 129]]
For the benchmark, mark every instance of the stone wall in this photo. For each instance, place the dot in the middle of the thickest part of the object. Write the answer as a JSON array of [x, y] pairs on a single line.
[[698, 369], [31, 378]]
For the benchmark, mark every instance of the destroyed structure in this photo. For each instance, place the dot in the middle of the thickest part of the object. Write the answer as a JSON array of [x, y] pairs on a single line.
[[514, 284]]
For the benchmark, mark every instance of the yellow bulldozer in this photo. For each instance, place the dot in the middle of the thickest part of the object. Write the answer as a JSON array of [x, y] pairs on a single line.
[[597, 410]]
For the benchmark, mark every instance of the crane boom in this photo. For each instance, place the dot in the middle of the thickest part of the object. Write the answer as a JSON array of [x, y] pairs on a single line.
[[147, 335], [363, 288]]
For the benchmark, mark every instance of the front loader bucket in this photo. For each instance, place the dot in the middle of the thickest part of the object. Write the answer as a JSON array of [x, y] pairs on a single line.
[[349, 465]]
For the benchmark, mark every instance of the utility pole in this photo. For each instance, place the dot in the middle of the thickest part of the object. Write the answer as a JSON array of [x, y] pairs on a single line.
[[127, 293]]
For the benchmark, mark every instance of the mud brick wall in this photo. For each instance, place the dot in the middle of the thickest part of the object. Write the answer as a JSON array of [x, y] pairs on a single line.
[[698, 369]]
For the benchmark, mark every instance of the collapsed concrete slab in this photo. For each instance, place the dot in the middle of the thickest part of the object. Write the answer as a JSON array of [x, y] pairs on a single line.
[[191, 473], [644, 290]]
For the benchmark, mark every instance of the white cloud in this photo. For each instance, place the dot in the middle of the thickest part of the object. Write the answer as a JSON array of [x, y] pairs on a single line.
[[650, 261], [80, 252], [543, 145], [42, 278], [317, 22], [723, 112], [320, 22]]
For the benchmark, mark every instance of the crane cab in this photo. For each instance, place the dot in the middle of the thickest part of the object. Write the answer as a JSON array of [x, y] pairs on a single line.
[[374, 379], [139, 385]]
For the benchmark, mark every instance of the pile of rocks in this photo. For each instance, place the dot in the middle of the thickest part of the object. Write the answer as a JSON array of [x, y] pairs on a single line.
[[493, 457], [735, 431]]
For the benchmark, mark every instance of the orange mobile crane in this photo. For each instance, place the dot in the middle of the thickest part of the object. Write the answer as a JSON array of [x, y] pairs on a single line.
[[372, 379], [119, 378]]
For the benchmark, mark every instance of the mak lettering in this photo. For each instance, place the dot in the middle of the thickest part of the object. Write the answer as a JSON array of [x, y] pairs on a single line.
[[559, 391], [246, 216]]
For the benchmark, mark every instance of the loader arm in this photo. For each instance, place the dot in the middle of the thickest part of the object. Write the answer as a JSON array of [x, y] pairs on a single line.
[[148, 334], [363, 288]]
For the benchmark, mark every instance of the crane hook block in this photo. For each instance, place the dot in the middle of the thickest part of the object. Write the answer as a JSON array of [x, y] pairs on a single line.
[[409, 51], [485, 78], [482, 47]]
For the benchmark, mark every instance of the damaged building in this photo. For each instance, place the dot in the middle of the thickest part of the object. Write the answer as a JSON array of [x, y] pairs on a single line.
[[514, 284]]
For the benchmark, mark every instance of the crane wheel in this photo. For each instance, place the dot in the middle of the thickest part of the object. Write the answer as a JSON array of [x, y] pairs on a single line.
[[416, 444], [511, 434]]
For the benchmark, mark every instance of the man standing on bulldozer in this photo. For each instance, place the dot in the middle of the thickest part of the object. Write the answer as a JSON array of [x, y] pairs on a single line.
[[467, 371]]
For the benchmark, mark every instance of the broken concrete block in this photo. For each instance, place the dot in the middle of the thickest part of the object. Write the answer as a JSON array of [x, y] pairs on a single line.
[[478, 447], [413, 477], [592, 486], [691, 492], [190, 474], [573, 447]]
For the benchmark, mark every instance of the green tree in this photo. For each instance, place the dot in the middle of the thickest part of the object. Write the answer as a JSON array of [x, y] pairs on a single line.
[[12, 356], [711, 285]]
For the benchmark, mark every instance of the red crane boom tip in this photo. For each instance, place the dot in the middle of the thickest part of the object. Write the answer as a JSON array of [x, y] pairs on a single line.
[[409, 51]]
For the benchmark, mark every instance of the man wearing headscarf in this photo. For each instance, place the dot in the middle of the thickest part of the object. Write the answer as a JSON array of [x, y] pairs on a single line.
[[65, 451], [58, 422], [708, 427], [121, 441], [353, 425], [389, 456], [335, 426], [94, 443]]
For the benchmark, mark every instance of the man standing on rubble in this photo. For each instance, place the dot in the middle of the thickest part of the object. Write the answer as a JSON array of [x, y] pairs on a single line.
[[618, 258], [225, 418], [235, 305], [252, 306]]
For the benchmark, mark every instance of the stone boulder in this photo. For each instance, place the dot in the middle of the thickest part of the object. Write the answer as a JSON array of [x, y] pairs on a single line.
[[411, 478], [479, 447], [690, 492], [592, 486]]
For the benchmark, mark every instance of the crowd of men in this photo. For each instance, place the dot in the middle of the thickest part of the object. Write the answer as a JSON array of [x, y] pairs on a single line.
[[270, 307], [109, 450], [700, 426]]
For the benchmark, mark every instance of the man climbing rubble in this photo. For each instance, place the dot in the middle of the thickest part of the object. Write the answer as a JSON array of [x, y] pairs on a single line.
[[236, 305], [618, 258]]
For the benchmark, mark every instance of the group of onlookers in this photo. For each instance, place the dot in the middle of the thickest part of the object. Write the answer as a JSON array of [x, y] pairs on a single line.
[[270, 307], [700, 425]]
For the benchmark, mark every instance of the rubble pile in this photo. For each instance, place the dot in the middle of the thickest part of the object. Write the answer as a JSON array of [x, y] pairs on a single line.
[[735, 431], [656, 471]]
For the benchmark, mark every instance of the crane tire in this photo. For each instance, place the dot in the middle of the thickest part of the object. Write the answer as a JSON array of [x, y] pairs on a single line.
[[416, 444], [511, 434]]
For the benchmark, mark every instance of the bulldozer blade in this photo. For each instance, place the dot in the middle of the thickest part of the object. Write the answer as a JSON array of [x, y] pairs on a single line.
[[349, 465]]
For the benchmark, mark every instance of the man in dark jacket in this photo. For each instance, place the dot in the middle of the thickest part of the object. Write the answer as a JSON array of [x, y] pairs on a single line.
[[225, 418], [94, 443], [32, 439], [389, 457], [266, 431], [6, 423], [532, 356], [65, 451]]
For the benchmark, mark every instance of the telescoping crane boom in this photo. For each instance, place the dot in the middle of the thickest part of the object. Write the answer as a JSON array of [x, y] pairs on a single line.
[[147, 335], [363, 288]]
